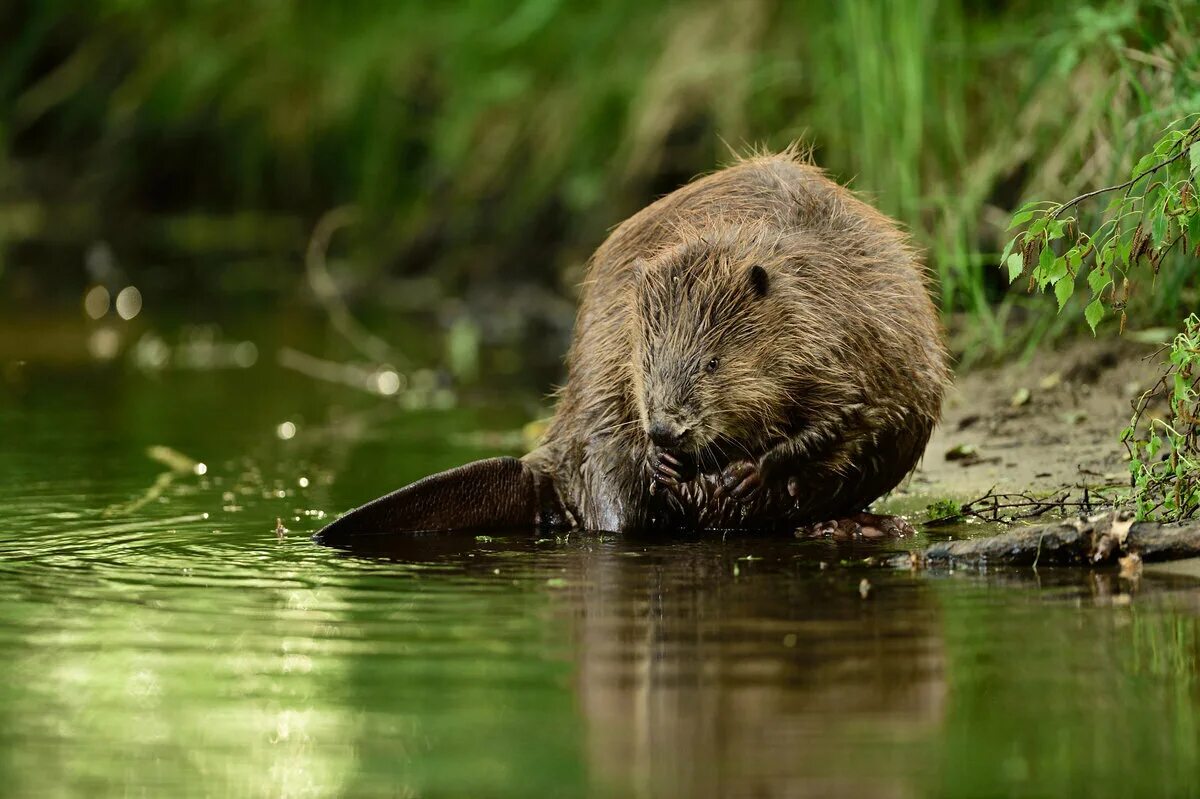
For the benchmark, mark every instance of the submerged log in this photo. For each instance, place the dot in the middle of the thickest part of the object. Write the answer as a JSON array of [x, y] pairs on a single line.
[[1095, 541]]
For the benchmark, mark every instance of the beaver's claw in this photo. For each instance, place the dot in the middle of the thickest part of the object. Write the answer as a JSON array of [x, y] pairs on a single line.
[[665, 468], [740, 480]]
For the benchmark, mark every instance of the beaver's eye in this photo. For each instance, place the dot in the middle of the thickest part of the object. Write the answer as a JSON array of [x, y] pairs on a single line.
[[712, 365]]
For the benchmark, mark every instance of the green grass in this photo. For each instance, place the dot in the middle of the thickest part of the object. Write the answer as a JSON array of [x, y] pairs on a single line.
[[485, 139]]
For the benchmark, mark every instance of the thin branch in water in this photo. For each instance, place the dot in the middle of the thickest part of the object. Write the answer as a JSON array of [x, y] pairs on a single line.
[[367, 343], [384, 382]]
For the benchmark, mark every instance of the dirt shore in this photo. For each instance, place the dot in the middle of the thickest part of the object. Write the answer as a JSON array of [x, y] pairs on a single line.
[[1046, 424]]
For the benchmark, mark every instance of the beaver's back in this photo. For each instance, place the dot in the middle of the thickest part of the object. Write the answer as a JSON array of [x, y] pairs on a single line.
[[885, 286]]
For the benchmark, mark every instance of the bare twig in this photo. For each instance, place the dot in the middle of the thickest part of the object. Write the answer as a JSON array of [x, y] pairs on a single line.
[[1016, 506], [367, 343], [364, 377]]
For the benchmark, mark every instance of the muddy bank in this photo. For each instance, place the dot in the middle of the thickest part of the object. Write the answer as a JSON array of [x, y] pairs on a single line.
[[1049, 423]]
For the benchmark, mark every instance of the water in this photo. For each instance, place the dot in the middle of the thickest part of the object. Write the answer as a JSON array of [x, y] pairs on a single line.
[[159, 637]]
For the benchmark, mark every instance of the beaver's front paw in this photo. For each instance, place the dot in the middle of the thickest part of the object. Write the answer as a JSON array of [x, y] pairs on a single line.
[[740, 480], [665, 468]]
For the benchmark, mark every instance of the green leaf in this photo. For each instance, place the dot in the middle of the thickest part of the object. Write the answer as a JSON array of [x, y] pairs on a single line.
[[1144, 164], [1093, 313], [1167, 143], [1007, 249], [1098, 281], [1020, 219], [1063, 290], [1074, 260], [1044, 267], [1125, 251], [1015, 267], [1194, 158], [1033, 205], [1158, 228], [1104, 256], [1058, 270]]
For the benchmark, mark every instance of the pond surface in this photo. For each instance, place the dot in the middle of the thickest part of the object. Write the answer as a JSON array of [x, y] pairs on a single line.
[[159, 636]]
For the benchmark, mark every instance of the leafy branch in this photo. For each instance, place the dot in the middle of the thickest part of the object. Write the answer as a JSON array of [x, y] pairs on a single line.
[[1147, 218], [1127, 184], [1158, 209], [1164, 456]]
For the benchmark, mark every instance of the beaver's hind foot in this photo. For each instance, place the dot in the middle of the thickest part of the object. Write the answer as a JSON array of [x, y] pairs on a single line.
[[858, 526]]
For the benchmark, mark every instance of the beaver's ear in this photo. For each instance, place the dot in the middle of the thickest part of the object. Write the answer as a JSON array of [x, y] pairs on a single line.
[[760, 281]]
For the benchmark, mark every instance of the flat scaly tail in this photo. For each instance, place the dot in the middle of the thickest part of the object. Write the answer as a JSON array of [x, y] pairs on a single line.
[[499, 494]]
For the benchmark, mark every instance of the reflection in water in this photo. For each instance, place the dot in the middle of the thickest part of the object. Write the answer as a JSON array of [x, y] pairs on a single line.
[[775, 682], [739, 667], [177, 645]]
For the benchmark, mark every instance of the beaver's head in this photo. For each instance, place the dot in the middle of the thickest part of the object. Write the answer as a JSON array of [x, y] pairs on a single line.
[[707, 331]]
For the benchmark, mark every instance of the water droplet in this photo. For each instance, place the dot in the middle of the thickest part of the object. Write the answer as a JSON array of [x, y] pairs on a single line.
[[96, 302], [387, 382], [129, 302], [151, 353], [245, 354], [286, 430], [104, 343]]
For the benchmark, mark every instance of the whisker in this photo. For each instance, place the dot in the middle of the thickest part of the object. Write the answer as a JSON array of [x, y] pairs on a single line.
[[616, 427]]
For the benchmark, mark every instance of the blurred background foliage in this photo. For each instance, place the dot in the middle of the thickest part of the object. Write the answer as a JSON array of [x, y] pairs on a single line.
[[495, 142]]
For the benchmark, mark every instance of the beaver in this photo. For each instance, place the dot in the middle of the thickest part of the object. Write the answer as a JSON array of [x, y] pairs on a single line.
[[756, 350]]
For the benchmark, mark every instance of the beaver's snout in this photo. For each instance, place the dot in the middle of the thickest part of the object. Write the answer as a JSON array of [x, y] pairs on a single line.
[[668, 434]]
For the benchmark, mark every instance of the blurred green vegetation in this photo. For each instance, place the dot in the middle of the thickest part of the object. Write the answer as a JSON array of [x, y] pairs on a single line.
[[498, 141]]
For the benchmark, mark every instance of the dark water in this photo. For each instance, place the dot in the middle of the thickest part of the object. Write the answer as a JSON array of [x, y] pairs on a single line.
[[158, 637]]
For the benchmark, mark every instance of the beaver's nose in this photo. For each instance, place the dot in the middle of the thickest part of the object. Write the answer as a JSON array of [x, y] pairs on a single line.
[[667, 434]]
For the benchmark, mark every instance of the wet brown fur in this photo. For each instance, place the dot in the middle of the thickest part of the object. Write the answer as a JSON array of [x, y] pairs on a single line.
[[832, 379]]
